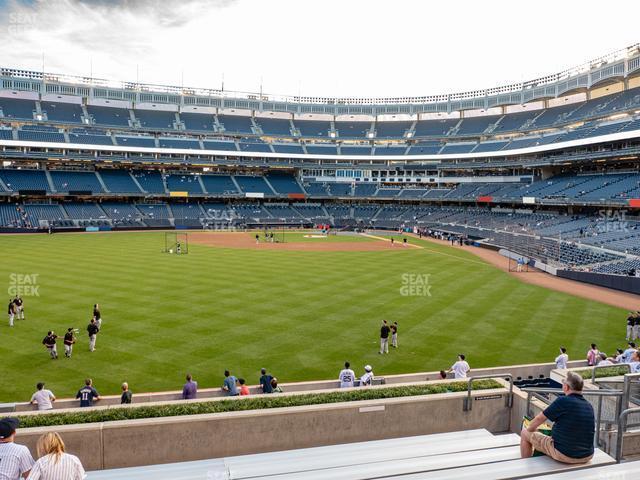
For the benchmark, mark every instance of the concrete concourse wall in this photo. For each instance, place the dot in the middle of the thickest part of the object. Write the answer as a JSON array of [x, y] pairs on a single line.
[[196, 437]]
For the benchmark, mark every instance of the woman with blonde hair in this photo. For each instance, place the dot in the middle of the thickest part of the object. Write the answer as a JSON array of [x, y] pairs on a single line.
[[54, 463]]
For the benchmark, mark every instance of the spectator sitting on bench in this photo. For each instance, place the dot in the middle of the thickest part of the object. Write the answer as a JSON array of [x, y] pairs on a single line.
[[571, 439]]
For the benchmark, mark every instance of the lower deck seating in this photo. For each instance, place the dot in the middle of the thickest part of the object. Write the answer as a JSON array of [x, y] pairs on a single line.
[[456, 455]]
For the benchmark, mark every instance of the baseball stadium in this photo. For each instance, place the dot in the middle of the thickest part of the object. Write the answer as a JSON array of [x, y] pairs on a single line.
[[452, 247]]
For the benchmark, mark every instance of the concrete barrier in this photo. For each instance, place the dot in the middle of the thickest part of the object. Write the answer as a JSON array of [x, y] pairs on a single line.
[[535, 370], [195, 437]]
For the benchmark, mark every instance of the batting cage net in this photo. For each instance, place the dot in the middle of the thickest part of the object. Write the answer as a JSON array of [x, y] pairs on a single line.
[[176, 243]]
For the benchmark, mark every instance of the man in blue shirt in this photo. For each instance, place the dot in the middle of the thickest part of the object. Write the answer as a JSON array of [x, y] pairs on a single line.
[[229, 384], [571, 439], [190, 389], [265, 381], [87, 394]]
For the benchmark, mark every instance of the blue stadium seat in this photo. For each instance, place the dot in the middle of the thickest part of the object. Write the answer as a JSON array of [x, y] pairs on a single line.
[[236, 124], [155, 119], [224, 145], [17, 180], [198, 122], [62, 112], [150, 181], [313, 128], [274, 126], [66, 181], [109, 116], [353, 129], [219, 185], [119, 181], [180, 143], [184, 183], [18, 108], [140, 141]]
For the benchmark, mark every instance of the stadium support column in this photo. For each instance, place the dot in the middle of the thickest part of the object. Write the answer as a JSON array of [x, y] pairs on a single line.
[[546, 172]]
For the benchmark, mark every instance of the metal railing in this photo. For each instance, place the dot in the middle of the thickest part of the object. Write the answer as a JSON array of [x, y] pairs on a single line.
[[622, 426], [467, 404], [536, 393]]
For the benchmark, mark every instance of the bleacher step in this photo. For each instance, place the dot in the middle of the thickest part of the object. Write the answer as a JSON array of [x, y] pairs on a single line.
[[511, 469], [621, 471], [362, 453], [395, 467]]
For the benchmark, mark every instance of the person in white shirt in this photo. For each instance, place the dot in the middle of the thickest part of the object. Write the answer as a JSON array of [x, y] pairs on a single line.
[[460, 368], [619, 356], [562, 359], [626, 355], [347, 376], [15, 460], [604, 361], [365, 380], [43, 398], [54, 463], [634, 364]]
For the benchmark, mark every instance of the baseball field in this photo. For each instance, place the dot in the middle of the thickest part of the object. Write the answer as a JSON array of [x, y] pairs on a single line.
[[300, 312]]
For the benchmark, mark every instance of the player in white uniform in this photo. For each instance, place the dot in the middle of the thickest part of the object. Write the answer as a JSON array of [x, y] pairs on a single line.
[[347, 376], [365, 380]]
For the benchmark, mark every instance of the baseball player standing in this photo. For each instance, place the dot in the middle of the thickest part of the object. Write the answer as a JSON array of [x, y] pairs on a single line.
[[11, 311], [69, 340], [384, 338], [394, 335], [93, 330], [97, 316], [19, 303]]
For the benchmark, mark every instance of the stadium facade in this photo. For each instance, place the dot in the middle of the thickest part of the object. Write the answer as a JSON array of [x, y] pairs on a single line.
[[547, 168]]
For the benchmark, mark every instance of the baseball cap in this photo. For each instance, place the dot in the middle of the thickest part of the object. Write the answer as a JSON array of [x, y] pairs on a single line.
[[367, 368], [8, 425]]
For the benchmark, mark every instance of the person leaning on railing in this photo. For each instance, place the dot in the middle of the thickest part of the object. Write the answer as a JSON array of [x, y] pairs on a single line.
[[571, 439]]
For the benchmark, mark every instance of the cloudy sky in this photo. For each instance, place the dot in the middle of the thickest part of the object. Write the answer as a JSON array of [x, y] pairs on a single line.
[[314, 47]]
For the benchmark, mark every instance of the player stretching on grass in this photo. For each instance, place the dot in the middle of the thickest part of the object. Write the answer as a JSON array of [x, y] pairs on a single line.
[[394, 334]]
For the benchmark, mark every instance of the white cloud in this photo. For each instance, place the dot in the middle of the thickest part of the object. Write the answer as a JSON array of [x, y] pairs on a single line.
[[327, 47]]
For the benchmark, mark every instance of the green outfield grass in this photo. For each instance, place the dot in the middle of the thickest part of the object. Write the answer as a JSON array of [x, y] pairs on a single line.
[[300, 314]]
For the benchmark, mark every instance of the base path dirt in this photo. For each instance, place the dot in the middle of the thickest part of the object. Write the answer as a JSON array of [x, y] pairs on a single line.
[[628, 301], [245, 240]]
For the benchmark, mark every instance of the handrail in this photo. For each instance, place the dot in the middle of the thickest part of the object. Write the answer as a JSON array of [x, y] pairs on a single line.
[[467, 403], [595, 393], [622, 425]]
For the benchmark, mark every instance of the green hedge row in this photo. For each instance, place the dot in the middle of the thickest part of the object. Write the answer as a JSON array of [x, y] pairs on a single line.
[[248, 403], [603, 372]]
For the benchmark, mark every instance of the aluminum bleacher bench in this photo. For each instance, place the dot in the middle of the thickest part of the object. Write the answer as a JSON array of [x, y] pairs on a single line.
[[349, 461], [620, 471], [511, 469], [392, 466]]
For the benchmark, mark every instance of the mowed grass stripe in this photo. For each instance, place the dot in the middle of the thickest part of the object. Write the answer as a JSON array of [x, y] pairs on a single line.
[[301, 314]]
